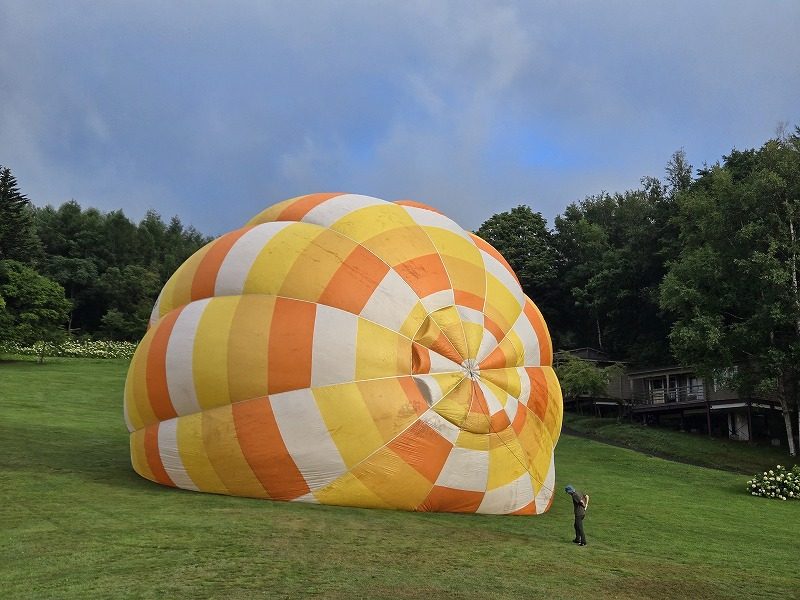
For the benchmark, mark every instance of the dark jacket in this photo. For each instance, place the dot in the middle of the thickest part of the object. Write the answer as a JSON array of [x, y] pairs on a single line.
[[577, 497]]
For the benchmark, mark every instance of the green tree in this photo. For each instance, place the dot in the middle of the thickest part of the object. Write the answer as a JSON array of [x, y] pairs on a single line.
[[92, 255], [34, 308], [612, 250], [18, 239], [679, 173], [523, 239], [734, 287], [130, 294], [77, 276], [579, 377]]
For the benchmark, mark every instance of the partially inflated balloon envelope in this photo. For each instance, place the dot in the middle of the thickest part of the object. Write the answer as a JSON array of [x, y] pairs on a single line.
[[341, 349]]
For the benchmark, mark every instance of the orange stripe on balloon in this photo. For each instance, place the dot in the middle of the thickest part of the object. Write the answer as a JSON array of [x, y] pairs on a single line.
[[205, 278], [494, 328], [489, 249], [499, 421], [290, 345], [442, 345], [355, 281], [528, 509], [416, 204], [425, 274], [303, 205], [537, 321], [420, 359], [539, 397], [423, 449], [520, 418], [263, 449], [496, 359], [478, 404], [154, 456], [157, 389], [468, 299], [444, 499], [413, 394]]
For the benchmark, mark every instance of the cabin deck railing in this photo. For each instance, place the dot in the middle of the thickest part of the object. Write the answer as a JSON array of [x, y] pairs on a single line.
[[692, 393]]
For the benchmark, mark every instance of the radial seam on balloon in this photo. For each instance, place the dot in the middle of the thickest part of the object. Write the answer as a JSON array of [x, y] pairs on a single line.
[[391, 268], [497, 433], [528, 408], [485, 285], [531, 411], [366, 458], [450, 281], [471, 402], [544, 429], [510, 329], [388, 266]]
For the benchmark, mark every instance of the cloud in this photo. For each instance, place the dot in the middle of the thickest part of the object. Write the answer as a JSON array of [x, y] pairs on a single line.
[[212, 111]]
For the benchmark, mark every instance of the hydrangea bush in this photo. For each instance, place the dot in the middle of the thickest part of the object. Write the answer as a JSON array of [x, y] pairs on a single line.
[[778, 483], [75, 349]]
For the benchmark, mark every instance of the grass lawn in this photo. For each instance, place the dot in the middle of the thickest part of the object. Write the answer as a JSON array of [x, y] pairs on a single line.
[[695, 448], [76, 522]]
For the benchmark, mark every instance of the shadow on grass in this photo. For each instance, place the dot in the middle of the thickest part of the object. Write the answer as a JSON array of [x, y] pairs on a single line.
[[38, 448]]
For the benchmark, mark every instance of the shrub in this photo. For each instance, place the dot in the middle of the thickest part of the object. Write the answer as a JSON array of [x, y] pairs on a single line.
[[73, 348], [778, 483]]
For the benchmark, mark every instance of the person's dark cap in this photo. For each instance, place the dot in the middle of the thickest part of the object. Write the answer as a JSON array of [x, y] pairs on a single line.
[[569, 489]]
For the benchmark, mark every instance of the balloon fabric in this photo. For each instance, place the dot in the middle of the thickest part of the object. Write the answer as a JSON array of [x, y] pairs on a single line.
[[342, 349]]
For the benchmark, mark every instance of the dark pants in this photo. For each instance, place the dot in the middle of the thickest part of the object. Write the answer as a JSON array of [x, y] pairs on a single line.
[[580, 536]]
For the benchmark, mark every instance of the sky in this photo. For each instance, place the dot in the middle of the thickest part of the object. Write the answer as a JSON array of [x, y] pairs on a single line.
[[212, 111]]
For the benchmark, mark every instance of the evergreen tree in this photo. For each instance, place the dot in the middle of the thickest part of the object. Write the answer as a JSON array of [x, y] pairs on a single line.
[[18, 239]]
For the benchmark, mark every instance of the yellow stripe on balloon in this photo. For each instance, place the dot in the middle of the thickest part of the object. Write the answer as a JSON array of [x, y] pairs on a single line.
[[406, 489], [193, 455], [138, 455], [138, 373], [225, 454], [178, 289], [501, 305], [351, 425], [348, 490], [381, 352], [271, 214], [268, 272], [323, 255], [389, 406], [210, 352], [506, 461], [248, 347]]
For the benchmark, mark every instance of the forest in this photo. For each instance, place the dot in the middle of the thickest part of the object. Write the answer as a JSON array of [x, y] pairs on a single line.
[[696, 267]]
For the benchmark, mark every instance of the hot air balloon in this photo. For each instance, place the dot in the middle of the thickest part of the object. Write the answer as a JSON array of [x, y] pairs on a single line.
[[341, 349]]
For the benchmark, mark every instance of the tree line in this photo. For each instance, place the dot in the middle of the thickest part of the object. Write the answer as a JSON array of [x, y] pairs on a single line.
[[70, 270], [700, 268]]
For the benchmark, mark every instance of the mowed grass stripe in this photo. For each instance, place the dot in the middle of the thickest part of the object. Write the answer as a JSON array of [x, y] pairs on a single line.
[[76, 522]]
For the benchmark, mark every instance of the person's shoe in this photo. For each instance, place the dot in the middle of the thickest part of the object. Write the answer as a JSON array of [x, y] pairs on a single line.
[[582, 544], [576, 541]]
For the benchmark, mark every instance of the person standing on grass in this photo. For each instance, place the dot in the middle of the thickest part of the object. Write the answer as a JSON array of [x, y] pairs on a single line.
[[580, 502]]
